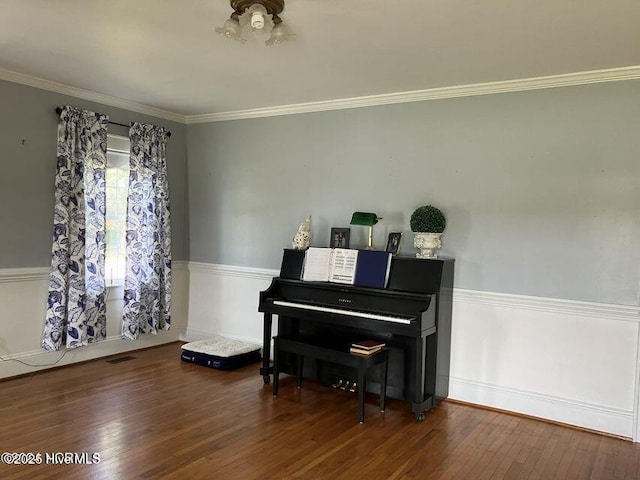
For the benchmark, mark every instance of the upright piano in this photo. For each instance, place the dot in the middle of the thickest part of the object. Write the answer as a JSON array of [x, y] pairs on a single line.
[[412, 316]]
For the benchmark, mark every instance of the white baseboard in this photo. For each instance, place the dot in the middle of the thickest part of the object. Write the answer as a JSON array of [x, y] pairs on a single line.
[[23, 294], [37, 360], [594, 417], [161, 338]]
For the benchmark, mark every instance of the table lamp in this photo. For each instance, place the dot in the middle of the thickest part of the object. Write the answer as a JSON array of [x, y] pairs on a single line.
[[368, 220]]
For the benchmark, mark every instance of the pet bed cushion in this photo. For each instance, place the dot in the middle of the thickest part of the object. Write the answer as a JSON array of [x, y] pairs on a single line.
[[221, 353]]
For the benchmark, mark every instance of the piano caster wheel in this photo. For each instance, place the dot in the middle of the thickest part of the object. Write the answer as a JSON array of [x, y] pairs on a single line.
[[420, 417], [266, 379]]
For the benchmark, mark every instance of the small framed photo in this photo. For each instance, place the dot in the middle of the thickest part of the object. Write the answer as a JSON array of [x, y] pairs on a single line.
[[393, 243], [339, 238]]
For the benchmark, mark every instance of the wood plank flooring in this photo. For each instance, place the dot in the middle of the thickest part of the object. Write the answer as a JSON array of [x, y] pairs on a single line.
[[156, 417]]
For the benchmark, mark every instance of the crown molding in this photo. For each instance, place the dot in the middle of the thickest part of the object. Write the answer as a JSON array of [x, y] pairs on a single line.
[[89, 95], [488, 88], [534, 83]]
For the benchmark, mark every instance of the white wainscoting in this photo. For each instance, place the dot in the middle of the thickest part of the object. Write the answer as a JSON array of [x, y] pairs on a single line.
[[23, 299], [224, 300], [567, 361]]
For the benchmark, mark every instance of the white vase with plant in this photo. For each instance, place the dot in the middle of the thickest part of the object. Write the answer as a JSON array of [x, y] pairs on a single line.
[[427, 223]]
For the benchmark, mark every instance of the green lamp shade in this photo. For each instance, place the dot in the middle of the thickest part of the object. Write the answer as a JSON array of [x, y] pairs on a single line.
[[364, 218]]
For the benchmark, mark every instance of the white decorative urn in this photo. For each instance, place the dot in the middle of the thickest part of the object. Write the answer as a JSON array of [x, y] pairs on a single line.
[[302, 238], [427, 243]]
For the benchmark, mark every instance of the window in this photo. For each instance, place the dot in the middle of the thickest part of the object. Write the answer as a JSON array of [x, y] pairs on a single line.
[[117, 179]]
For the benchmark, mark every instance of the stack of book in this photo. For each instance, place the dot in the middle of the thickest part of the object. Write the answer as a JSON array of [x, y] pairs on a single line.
[[366, 347]]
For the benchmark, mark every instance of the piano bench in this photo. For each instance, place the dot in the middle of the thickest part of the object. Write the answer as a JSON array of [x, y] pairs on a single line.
[[361, 362]]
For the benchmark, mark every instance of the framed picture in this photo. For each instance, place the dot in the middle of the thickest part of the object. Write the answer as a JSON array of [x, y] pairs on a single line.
[[393, 243], [339, 238]]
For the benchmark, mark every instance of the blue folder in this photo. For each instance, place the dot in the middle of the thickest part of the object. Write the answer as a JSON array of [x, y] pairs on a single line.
[[373, 268]]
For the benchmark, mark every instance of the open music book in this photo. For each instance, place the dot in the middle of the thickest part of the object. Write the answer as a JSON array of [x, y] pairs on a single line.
[[330, 265]]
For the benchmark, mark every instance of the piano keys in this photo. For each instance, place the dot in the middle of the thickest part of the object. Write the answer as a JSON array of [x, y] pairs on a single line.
[[412, 316], [342, 311]]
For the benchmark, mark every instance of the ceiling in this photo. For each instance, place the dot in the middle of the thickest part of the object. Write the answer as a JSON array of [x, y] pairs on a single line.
[[166, 54]]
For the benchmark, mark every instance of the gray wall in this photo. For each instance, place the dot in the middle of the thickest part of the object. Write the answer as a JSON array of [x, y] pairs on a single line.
[[28, 129], [540, 189]]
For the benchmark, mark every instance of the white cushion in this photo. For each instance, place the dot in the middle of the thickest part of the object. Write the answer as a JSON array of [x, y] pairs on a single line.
[[221, 346]]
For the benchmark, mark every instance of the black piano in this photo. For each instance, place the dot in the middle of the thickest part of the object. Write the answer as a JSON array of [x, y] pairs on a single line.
[[412, 316]]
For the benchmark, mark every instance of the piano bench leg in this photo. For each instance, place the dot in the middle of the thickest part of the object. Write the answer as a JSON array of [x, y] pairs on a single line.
[[299, 366], [362, 387], [383, 385], [362, 383], [275, 384], [276, 372]]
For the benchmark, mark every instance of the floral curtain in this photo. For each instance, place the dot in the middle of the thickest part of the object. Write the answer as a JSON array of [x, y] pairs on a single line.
[[147, 291], [76, 310]]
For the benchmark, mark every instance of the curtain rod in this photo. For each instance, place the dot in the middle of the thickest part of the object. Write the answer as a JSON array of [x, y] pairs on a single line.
[[59, 111]]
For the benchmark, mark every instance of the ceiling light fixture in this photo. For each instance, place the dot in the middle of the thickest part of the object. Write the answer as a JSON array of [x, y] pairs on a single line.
[[257, 17]]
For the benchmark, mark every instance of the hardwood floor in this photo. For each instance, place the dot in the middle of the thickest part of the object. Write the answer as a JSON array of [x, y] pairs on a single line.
[[156, 417]]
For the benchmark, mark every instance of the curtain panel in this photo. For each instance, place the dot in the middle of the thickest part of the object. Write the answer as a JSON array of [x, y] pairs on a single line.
[[147, 291], [76, 307]]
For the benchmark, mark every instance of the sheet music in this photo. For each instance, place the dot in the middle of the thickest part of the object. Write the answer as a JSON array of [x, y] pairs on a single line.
[[343, 269], [317, 264]]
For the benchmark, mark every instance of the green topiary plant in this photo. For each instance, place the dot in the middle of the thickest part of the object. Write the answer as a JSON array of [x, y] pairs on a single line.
[[427, 219]]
